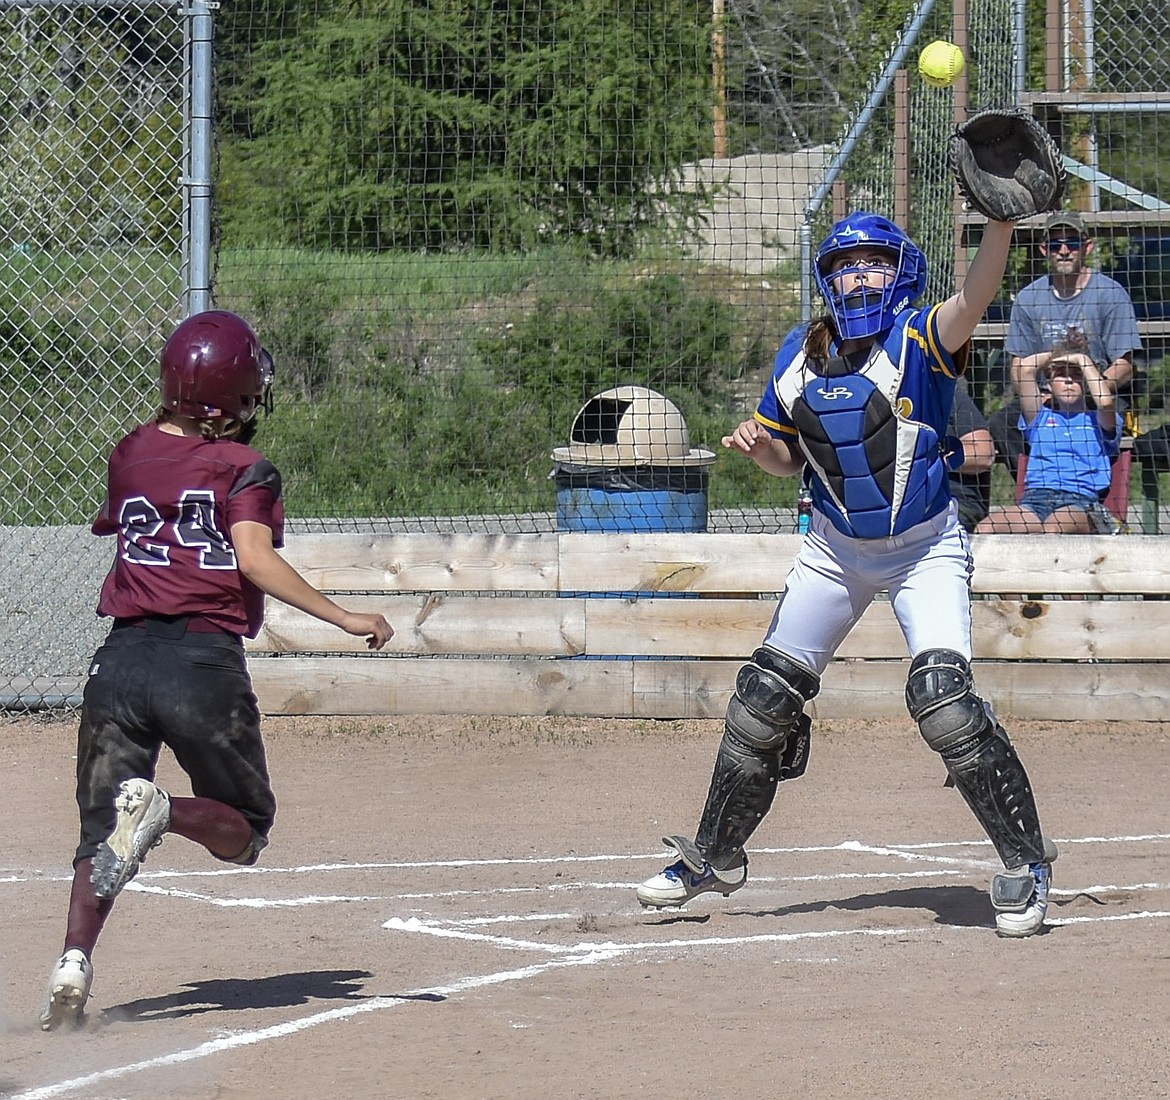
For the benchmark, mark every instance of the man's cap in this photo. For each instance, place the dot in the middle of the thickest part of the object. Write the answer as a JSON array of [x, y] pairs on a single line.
[[1069, 218]]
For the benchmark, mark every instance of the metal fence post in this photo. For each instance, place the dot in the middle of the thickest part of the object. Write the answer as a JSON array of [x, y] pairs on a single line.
[[197, 183]]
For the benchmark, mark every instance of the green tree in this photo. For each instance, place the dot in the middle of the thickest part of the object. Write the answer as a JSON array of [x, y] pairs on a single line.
[[796, 71], [91, 141], [449, 124]]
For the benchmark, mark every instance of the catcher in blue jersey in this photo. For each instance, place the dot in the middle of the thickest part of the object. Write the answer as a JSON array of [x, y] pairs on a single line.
[[858, 405]]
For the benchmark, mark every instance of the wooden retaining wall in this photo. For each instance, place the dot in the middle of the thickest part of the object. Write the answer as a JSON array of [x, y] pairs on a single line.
[[529, 625]]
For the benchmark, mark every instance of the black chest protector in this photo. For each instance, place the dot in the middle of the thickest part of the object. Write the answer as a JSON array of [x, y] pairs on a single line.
[[877, 473]]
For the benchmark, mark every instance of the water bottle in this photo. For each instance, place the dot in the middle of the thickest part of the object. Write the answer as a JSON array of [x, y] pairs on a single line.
[[803, 509]]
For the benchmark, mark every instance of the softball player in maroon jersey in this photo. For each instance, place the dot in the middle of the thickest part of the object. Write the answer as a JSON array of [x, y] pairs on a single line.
[[859, 401], [198, 519]]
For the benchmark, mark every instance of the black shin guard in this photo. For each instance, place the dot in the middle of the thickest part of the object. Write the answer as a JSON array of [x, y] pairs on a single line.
[[978, 754], [991, 778], [765, 740], [743, 786]]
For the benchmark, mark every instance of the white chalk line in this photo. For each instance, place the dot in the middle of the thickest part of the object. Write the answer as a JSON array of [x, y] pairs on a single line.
[[291, 1027], [257, 903], [613, 949], [583, 953], [1105, 918], [957, 875], [907, 850]]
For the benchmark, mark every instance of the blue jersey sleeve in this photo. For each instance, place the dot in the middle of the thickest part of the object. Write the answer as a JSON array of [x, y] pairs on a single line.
[[931, 372]]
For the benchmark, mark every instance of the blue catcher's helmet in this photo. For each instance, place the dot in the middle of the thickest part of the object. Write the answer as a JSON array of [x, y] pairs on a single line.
[[872, 310]]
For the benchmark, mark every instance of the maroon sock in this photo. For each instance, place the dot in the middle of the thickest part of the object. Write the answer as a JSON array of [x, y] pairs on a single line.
[[87, 912], [222, 830]]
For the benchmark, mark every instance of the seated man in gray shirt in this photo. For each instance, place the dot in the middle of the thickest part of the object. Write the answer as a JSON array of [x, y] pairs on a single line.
[[1071, 309]]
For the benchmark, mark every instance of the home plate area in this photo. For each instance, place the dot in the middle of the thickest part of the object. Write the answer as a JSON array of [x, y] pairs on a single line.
[[582, 909]]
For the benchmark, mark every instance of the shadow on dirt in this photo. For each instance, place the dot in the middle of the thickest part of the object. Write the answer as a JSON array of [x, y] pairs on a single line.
[[234, 994], [958, 906]]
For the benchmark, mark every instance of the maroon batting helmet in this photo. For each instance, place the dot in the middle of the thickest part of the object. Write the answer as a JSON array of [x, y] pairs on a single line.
[[213, 365]]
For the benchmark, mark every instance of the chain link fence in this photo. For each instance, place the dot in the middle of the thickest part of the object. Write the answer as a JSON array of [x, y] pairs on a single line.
[[95, 115], [459, 225]]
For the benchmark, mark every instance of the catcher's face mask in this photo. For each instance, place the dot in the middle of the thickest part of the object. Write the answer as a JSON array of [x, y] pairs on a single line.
[[868, 270]]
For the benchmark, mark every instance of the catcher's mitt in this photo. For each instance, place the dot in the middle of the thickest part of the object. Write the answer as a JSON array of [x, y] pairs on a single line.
[[1006, 165]]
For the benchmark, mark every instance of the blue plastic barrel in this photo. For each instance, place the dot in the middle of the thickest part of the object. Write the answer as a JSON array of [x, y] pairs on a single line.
[[593, 498]]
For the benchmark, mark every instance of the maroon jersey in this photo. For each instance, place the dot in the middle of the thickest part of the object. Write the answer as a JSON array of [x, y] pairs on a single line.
[[172, 501]]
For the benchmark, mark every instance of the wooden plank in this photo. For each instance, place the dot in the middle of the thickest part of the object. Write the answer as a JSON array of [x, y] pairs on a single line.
[[694, 562], [996, 331], [425, 562], [1077, 630], [1135, 692], [1114, 630], [736, 563], [759, 563], [683, 562], [668, 628], [1087, 99], [437, 623], [394, 685], [1113, 564], [1145, 219], [1057, 691]]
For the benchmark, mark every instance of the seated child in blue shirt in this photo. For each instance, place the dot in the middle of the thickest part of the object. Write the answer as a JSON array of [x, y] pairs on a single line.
[[1071, 448]]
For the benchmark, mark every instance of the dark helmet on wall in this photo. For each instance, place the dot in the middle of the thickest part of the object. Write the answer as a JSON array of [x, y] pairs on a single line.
[[214, 365], [866, 314]]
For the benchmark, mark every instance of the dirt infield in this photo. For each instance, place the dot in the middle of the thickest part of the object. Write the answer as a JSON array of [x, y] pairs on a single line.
[[446, 910]]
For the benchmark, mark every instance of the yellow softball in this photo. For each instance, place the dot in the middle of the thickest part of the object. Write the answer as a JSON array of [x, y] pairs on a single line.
[[941, 63]]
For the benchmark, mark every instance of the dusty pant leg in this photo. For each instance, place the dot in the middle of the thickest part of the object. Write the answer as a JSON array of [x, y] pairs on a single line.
[[115, 737], [212, 724]]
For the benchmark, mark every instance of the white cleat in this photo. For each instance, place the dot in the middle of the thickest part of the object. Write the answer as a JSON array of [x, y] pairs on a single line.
[[69, 985], [142, 816], [1020, 897], [677, 884]]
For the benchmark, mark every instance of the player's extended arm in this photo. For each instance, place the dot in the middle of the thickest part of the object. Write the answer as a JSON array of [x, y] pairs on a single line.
[[773, 456], [962, 311], [267, 570]]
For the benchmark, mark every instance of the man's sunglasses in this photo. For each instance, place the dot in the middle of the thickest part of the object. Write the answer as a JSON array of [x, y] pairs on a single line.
[[1073, 244]]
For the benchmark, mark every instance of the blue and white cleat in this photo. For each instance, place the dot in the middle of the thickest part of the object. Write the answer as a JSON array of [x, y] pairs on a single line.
[[1020, 896], [677, 884]]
